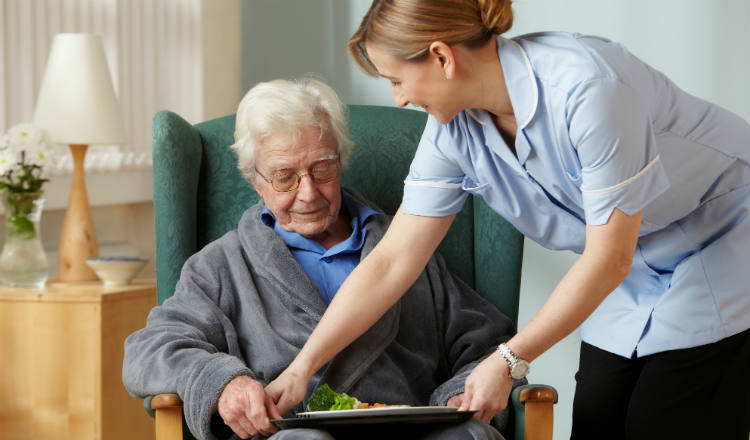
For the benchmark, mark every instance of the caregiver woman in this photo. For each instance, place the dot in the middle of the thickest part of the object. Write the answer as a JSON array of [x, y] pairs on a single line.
[[581, 146]]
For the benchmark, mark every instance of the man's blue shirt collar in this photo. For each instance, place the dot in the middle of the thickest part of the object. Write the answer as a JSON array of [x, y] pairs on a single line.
[[358, 213]]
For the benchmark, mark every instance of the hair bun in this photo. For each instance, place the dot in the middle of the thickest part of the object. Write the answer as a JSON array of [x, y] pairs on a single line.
[[497, 15]]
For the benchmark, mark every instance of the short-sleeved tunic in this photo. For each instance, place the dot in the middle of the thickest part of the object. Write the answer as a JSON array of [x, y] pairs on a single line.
[[599, 129]]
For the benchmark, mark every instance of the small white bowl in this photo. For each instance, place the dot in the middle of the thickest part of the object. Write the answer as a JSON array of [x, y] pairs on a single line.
[[116, 271]]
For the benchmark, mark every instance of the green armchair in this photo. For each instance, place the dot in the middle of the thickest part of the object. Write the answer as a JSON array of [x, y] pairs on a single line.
[[199, 195]]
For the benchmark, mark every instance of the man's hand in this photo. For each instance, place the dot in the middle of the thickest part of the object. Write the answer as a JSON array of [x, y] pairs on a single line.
[[247, 409], [487, 388]]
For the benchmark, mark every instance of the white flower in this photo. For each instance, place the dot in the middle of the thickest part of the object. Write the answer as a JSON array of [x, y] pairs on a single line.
[[30, 139], [22, 149], [25, 135], [4, 141], [41, 156], [8, 160]]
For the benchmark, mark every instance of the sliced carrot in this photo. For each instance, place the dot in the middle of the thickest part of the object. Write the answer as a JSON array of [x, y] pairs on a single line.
[[365, 405]]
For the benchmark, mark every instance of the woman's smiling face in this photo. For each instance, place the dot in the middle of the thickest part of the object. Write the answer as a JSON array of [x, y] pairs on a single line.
[[419, 83]]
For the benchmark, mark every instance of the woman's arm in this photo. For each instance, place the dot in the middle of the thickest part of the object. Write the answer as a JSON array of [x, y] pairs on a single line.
[[603, 265], [373, 287]]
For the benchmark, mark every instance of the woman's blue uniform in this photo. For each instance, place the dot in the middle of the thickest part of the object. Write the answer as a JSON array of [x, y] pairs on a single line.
[[599, 129], [667, 354]]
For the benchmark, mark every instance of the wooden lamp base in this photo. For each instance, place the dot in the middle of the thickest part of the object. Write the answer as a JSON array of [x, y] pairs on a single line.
[[78, 238]]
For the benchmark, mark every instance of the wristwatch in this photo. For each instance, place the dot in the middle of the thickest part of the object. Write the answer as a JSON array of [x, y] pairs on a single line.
[[518, 368]]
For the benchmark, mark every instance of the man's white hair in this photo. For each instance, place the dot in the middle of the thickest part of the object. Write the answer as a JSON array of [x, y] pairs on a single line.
[[285, 107]]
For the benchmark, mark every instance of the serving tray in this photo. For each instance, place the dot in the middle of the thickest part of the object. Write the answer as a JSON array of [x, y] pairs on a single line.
[[376, 416]]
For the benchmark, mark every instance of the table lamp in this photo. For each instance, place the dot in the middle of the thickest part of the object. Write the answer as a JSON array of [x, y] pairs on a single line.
[[77, 106]]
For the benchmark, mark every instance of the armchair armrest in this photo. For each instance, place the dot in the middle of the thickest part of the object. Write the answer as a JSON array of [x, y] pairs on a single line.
[[162, 401], [533, 407], [167, 409]]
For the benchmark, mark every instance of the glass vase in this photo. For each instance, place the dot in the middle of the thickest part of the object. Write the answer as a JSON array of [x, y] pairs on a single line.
[[23, 262]]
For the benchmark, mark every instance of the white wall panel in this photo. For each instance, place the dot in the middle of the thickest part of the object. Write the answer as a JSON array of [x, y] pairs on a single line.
[[3, 65]]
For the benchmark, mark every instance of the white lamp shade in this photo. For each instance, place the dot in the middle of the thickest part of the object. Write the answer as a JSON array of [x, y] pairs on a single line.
[[77, 103]]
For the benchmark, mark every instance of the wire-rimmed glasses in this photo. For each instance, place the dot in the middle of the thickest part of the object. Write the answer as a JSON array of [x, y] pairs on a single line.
[[288, 180]]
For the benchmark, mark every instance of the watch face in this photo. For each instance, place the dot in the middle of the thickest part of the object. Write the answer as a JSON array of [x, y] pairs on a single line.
[[519, 370]]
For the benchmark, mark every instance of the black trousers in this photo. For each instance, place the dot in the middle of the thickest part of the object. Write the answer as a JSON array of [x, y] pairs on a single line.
[[695, 393]]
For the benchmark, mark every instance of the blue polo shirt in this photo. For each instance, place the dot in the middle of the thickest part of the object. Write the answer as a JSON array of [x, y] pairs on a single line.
[[598, 129], [327, 268]]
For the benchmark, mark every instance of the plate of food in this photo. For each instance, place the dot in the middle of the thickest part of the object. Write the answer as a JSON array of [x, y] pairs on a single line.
[[328, 409]]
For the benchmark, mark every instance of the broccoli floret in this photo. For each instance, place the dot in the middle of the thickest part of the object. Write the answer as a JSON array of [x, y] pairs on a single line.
[[325, 399], [343, 401], [322, 399]]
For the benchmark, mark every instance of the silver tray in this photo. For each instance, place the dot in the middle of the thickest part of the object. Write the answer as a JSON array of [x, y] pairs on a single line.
[[376, 416]]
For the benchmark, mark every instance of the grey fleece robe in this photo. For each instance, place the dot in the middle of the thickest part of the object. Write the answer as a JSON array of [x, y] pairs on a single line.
[[243, 305]]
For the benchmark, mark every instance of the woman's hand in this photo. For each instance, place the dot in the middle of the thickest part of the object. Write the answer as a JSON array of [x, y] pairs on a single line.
[[247, 408], [487, 388], [288, 389], [455, 401], [605, 262]]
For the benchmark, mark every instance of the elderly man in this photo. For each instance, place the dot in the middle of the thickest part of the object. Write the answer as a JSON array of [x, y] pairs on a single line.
[[246, 303]]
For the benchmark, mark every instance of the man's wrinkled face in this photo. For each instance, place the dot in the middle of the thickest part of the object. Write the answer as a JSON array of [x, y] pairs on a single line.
[[312, 208]]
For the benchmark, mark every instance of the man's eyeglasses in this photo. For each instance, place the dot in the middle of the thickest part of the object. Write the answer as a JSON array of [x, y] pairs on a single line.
[[287, 180]]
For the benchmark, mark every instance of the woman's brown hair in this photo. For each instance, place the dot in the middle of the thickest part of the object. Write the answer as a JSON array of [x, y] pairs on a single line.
[[406, 28]]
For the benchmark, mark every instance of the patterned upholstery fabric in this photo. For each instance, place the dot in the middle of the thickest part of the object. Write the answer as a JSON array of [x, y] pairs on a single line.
[[199, 194]]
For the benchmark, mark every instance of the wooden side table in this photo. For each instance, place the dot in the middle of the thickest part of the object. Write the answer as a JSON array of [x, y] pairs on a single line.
[[61, 351]]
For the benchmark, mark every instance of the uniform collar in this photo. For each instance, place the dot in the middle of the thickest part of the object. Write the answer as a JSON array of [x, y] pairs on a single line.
[[524, 97], [520, 80]]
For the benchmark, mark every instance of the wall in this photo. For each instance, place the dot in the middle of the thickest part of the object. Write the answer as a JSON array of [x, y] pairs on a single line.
[[704, 46], [277, 43], [221, 49]]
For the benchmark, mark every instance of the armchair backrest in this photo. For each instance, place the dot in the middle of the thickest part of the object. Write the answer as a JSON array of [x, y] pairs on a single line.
[[199, 194]]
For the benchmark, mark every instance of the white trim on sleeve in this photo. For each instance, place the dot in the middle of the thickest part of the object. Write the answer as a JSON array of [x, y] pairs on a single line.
[[432, 184], [623, 183]]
